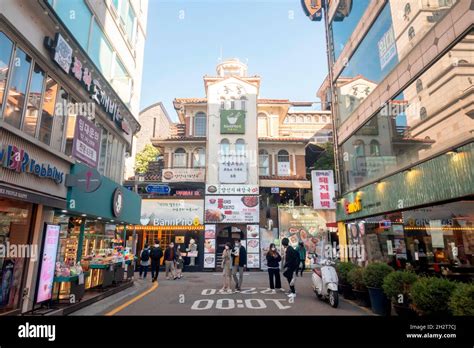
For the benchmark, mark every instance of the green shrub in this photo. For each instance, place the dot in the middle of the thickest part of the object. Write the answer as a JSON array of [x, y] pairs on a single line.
[[462, 300], [399, 283], [375, 273], [431, 295], [342, 269], [356, 278]]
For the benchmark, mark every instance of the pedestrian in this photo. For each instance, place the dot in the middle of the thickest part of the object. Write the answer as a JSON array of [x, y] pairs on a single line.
[[144, 261], [302, 258], [239, 262], [179, 263], [155, 255], [226, 267], [291, 265], [273, 264], [170, 259]]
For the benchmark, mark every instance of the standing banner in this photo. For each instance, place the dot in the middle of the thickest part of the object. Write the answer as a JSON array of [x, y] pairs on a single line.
[[48, 263], [323, 189]]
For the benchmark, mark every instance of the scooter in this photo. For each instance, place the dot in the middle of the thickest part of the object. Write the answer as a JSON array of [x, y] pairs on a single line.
[[325, 282]]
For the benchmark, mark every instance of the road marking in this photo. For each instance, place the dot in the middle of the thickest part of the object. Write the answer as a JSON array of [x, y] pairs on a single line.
[[133, 300]]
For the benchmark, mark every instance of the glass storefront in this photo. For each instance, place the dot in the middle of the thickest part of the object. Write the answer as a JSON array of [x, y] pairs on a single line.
[[15, 224], [436, 239], [423, 120]]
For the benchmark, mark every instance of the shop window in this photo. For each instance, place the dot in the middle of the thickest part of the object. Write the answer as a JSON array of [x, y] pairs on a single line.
[[419, 86], [283, 163], [423, 113], [200, 124], [411, 33], [263, 163], [179, 158], [59, 119], [262, 125], [49, 102], [374, 148], [199, 158], [224, 147], [240, 147], [17, 89], [34, 101], [6, 47], [15, 224]]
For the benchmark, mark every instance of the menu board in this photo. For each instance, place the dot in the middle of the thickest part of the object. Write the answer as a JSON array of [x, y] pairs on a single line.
[[232, 209], [210, 246], [48, 263], [253, 260], [253, 246]]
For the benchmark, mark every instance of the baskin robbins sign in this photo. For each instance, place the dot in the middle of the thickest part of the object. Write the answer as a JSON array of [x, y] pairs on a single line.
[[17, 159]]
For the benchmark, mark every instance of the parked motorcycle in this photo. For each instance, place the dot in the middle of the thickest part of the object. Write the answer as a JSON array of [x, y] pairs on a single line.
[[325, 282]]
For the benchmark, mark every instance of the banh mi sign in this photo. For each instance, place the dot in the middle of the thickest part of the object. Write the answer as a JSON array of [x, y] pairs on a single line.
[[353, 207]]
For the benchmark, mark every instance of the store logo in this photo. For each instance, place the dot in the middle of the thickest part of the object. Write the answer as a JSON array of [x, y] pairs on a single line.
[[117, 203], [353, 207], [17, 159]]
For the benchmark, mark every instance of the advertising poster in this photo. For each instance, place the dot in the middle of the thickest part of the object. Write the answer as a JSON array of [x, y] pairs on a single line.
[[209, 246], [48, 263], [322, 182], [252, 231], [266, 238], [86, 144], [232, 209], [210, 232], [253, 260], [172, 212], [253, 245], [232, 122], [209, 260]]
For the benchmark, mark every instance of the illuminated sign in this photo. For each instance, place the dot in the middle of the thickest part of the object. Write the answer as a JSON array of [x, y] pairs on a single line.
[[353, 207]]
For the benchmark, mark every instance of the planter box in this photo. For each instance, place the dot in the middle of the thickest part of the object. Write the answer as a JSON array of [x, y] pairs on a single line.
[[347, 291], [379, 302], [362, 297], [404, 311]]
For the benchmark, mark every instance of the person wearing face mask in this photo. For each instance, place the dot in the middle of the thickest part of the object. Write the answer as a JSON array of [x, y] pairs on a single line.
[[292, 262], [273, 260], [226, 267], [239, 262], [170, 259]]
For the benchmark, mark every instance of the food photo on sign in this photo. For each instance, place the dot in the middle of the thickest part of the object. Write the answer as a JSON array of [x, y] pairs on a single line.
[[232, 209]]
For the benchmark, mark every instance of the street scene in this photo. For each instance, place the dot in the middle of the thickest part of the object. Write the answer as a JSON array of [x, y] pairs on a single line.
[[237, 158]]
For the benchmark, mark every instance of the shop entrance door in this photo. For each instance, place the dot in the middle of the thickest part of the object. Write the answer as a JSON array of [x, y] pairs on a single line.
[[224, 235]]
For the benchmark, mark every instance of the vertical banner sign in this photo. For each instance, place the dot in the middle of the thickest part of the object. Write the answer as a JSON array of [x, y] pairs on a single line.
[[210, 246], [323, 189], [86, 143], [232, 122], [48, 263], [387, 48]]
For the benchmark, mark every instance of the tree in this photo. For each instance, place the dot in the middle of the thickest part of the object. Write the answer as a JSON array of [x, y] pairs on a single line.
[[143, 158], [325, 161]]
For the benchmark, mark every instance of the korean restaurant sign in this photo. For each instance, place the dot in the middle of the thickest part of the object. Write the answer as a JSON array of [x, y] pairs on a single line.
[[63, 55], [172, 212], [17, 159], [387, 48], [232, 209], [229, 189], [184, 175], [233, 169], [323, 189], [232, 122], [86, 143]]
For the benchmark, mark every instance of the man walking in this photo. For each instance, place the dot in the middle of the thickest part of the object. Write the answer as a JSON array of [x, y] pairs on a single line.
[[239, 262], [155, 255], [170, 259], [292, 262]]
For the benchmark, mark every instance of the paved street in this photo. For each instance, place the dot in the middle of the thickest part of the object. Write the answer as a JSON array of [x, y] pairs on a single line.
[[198, 294]]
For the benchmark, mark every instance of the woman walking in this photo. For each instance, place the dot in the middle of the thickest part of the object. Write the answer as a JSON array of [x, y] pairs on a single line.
[[302, 256], [273, 260], [179, 263], [226, 267]]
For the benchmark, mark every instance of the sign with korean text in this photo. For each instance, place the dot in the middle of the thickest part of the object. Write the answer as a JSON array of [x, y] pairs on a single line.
[[230, 209], [283, 168], [48, 263], [86, 144], [158, 189], [184, 175], [172, 212], [323, 189], [232, 122], [230, 189], [233, 169], [387, 48]]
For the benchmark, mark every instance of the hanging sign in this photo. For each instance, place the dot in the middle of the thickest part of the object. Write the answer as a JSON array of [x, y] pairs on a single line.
[[323, 189]]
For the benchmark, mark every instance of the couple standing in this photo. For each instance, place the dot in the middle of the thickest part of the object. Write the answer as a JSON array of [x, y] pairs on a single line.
[[234, 260], [290, 262], [173, 261]]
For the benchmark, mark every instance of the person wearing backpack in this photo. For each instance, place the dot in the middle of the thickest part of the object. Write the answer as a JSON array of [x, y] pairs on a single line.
[[292, 262], [144, 261], [155, 255]]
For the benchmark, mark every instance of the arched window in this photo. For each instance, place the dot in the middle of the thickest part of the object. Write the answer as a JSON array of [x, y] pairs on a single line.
[[293, 119], [200, 124], [283, 163], [407, 9], [240, 147], [199, 158], [419, 86], [263, 163], [411, 33], [323, 119], [225, 147], [374, 148], [179, 158], [359, 148], [316, 119], [262, 125], [308, 119], [301, 119], [423, 113]]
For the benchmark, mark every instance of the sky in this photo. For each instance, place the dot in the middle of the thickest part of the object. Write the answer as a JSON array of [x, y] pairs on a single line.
[[185, 39]]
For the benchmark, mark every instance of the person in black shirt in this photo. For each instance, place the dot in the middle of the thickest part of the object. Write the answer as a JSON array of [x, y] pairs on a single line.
[[155, 254], [292, 261], [273, 263]]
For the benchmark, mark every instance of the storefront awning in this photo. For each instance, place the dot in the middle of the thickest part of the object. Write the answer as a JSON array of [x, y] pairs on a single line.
[[286, 183]]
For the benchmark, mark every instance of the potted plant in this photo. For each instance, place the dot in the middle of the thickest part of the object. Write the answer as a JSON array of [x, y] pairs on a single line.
[[462, 300], [396, 286], [342, 270], [356, 279], [374, 275], [431, 295]]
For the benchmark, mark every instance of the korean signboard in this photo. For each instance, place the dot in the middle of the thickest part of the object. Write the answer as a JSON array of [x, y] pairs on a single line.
[[232, 122], [232, 209], [86, 143], [48, 263], [323, 189], [172, 212], [229, 189], [283, 168], [233, 169], [387, 48], [184, 175]]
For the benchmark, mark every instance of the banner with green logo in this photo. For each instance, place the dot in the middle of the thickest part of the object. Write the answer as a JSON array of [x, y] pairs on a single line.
[[232, 122]]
